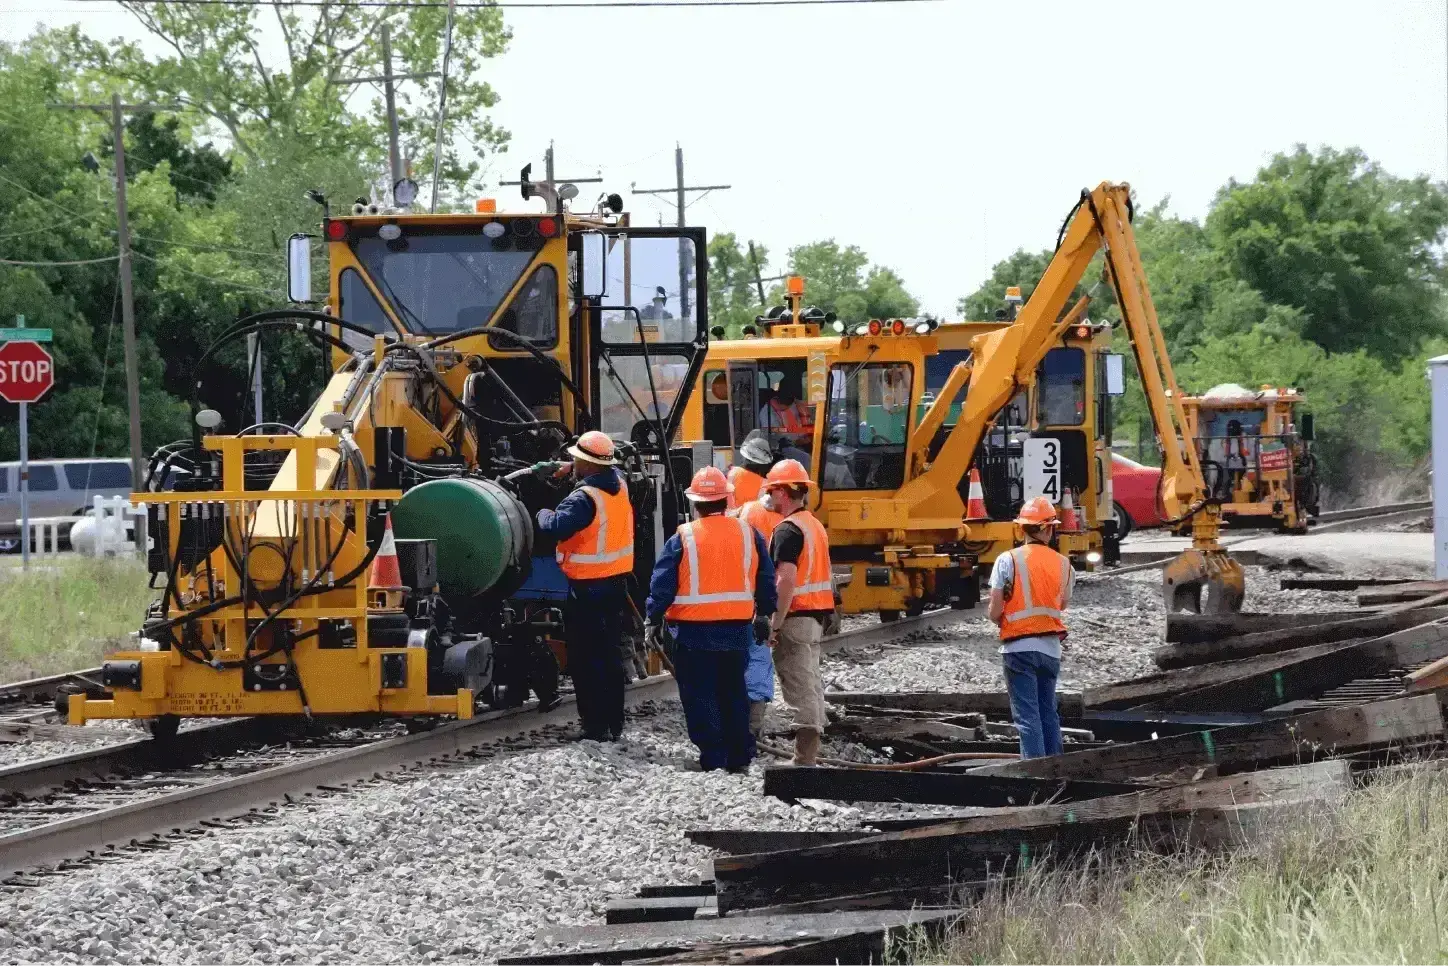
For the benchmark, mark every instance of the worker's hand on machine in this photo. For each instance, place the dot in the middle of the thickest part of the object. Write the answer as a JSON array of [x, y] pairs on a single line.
[[557, 469], [763, 629]]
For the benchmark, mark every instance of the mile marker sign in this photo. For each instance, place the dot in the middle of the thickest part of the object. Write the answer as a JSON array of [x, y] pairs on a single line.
[[26, 372]]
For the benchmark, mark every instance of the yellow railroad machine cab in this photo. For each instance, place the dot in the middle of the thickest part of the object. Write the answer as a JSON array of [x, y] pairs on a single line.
[[465, 348], [847, 407], [1256, 455], [1054, 436]]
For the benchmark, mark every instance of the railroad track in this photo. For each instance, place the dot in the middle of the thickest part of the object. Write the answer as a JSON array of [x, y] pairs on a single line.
[[34, 700], [89, 804]]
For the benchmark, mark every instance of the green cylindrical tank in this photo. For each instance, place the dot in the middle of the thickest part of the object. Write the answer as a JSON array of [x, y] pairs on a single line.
[[484, 535]]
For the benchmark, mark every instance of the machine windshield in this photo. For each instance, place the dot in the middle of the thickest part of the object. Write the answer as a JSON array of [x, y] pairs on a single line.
[[439, 284], [1062, 387], [868, 425]]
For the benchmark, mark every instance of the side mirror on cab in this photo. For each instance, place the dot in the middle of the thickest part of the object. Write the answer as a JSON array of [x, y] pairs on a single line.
[[299, 268], [593, 260], [1115, 375]]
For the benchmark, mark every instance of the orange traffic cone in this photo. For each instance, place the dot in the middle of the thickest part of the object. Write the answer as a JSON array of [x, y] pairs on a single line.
[[1070, 520], [386, 572], [975, 502]]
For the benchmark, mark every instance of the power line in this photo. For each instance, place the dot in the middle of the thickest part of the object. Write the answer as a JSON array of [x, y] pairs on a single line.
[[205, 248], [42, 197], [36, 231], [522, 4], [172, 266], [79, 261]]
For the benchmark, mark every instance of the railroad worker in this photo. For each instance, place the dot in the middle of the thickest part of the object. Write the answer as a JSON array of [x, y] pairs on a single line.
[[788, 419], [759, 677], [1029, 590], [594, 526], [800, 548], [746, 479], [714, 585]]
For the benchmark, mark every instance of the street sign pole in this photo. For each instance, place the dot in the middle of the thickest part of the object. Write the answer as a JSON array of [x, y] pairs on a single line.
[[25, 486]]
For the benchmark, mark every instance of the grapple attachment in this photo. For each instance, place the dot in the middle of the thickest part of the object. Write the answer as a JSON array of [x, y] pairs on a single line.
[[1204, 582]]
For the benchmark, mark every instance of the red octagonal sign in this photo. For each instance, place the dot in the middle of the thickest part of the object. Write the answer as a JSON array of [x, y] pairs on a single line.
[[26, 372]]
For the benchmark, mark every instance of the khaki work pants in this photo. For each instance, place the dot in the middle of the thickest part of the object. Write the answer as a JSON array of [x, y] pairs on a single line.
[[797, 661]]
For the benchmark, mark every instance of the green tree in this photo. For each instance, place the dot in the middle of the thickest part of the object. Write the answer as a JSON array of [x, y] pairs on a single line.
[[841, 280], [1357, 250], [214, 64], [1022, 268], [733, 294]]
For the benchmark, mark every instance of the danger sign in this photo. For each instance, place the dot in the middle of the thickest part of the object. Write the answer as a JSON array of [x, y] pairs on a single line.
[[26, 372]]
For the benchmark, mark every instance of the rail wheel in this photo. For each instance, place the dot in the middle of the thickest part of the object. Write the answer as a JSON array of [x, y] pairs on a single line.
[[164, 728]]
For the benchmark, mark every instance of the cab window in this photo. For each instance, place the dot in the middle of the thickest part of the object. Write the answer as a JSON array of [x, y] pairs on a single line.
[[716, 407], [868, 423], [358, 305], [1061, 387], [533, 313], [630, 391]]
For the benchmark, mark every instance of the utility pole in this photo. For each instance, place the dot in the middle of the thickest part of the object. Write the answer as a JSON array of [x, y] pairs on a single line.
[[679, 191], [118, 111], [550, 177], [389, 80], [128, 306], [758, 281]]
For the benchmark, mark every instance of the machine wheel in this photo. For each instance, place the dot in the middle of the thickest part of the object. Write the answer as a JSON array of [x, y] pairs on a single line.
[[164, 728], [915, 609], [889, 616], [1123, 520]]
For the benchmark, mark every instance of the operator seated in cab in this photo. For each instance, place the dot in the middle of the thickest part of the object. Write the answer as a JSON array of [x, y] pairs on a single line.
[[788, 421], [594, 526], [1029, 590]]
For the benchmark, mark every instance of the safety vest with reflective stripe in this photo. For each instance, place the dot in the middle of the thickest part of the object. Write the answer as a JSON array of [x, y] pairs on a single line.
[[716, 571], [1038, 596], [814, 588], [794, 418], [604, 548], [760, 517], [746, 485]]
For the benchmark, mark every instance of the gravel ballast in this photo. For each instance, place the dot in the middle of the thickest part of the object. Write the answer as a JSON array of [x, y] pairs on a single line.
[[465, 862]]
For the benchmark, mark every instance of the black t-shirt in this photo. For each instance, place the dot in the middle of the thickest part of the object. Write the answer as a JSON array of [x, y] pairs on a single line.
[[786, 547]]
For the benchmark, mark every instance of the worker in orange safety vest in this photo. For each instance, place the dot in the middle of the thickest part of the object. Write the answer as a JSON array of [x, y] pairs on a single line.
[[714, 586], [1029, 590], [800, 548], [759, 678], [594, 526]]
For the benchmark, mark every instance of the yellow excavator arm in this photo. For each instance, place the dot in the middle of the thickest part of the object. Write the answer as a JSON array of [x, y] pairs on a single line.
[[1005, 360]]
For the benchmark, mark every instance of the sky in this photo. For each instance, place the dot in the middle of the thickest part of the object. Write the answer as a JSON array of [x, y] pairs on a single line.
[[940, 137]]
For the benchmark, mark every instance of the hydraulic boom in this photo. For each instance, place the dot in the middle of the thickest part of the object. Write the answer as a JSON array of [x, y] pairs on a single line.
[[1003, 361]]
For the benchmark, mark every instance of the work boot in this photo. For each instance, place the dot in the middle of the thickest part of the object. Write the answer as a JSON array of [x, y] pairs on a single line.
[[757, 711], [806, 746]]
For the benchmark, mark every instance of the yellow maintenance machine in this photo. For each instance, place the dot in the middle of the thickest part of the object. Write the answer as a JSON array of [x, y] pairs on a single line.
[[1256, 455], [890, 484], [867, 393], [1052, 439], [465, 349]]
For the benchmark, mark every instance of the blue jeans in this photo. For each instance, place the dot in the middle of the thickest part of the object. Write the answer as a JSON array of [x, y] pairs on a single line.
[[716, 705], [1031, 681]]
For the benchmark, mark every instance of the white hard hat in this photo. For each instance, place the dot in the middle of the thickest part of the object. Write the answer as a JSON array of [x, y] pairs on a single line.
[[756, 450]]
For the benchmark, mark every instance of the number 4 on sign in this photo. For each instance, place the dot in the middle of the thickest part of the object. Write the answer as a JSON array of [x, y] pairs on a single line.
[[1042, 458]]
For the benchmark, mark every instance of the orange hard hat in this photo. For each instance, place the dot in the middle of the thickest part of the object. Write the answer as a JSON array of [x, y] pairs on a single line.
[[1037, 511], [709, 486], [785, 473], [595, 447]]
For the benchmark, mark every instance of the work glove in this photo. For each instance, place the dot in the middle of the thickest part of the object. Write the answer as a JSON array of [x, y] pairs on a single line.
[[763, 629], [654, 637], [553, 468]]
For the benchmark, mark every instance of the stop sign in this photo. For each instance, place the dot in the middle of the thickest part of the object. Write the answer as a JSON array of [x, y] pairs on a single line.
[[26, 372]]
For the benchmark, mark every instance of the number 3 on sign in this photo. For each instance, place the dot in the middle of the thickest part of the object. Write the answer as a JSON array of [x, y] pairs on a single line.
[[1043, 469]]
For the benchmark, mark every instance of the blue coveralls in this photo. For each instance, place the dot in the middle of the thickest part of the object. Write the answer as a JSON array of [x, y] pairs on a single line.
[[594, 619], [710, 661]]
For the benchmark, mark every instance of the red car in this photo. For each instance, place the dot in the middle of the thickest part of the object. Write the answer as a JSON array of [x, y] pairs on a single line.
[[1134, 488]]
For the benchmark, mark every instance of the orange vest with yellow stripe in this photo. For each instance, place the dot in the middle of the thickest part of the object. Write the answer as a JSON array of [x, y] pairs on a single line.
[[760, 517], [746, 483], [814, 587], [604, 548], [1038, 596], [716, 571]]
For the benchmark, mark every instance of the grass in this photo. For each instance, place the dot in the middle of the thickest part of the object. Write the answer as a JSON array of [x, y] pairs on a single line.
[[65, 613], [1363, 881]]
